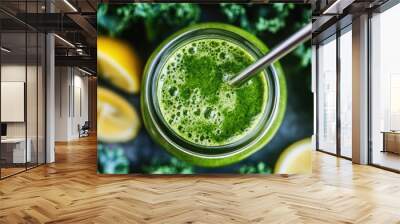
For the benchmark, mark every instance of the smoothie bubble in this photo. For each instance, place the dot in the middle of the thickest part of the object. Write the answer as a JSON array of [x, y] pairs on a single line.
[[198, 104]]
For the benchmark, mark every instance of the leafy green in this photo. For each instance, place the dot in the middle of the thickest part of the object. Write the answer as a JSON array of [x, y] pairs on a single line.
[[304, 54], [260, 168], [112, 160], [257, 19], [262, 21], [173, 166], [157, 18]]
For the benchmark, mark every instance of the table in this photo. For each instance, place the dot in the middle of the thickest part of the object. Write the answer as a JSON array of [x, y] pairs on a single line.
[[391, 141], [18, 151]]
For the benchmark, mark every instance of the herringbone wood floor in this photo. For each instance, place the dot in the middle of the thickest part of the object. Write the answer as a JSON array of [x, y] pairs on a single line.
[[70, 191]]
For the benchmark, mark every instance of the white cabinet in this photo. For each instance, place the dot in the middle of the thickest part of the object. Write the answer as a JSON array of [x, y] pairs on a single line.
[[18, 149]]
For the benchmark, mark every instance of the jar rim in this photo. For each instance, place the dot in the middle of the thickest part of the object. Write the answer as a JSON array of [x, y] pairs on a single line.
[[269, 112]]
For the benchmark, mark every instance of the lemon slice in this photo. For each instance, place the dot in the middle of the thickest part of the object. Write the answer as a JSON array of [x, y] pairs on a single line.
[[117, 120], [117, 62], [297, 158]]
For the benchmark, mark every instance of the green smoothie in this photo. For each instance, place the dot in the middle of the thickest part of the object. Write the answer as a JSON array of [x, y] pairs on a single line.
[[198, 104]]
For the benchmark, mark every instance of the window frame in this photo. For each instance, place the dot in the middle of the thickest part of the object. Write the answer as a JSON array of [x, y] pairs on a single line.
[[381, 9], [334, 37], [29, 29]]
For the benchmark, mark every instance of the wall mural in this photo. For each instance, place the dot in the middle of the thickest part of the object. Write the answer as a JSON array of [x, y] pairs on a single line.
[[164, 102]]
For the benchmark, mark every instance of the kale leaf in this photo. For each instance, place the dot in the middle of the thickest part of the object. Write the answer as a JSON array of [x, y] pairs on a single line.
[[258, 19], [260, 168], [173, 166], [157, 18], [112, 160], [271, 21]]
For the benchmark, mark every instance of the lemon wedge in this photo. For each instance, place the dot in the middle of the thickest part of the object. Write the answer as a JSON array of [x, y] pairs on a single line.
[[297, 158], [118, 63], [117, 120]]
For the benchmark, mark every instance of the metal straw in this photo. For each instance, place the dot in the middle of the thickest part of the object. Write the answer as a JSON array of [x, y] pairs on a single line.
[[275, 54]]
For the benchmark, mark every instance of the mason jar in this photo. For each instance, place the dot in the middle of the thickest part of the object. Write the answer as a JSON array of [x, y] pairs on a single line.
[[217, 155]]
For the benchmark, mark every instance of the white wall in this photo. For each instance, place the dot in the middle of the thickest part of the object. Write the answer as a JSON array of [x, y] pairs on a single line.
[[13, 101], [80, 110], [71, 94], [62, 81], [12, 73]]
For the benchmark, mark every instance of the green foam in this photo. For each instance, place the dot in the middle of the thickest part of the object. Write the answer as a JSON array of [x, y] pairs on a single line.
[[195, 99]]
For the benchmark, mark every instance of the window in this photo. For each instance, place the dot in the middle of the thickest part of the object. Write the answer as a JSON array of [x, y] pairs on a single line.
[[22, 77], [327, 96], [385, 89], [345, 93]]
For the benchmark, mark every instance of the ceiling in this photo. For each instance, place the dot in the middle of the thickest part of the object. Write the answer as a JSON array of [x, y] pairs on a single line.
[[39, 6], [74, 22]]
